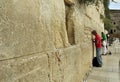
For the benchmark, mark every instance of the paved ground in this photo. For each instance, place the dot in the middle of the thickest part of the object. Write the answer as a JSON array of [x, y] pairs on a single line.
[[110, 71]]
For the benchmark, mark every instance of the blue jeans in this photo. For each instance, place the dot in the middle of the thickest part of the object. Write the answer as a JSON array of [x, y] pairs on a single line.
[[99, 55]]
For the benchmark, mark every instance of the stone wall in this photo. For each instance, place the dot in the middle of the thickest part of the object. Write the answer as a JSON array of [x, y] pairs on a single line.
[[46, 41]]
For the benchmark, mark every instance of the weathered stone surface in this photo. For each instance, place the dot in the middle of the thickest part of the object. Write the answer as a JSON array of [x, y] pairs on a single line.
[[69, 2], [46, 41], [60, 66], [31, 68], [31, 26]]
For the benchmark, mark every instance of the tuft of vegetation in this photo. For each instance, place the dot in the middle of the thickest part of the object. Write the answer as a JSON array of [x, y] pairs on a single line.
[[87, 1], [107, 11], [90, 2], [107, 22], [107, 19]]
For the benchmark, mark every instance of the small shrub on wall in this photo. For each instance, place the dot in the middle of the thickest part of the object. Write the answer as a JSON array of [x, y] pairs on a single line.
[[107, 22], [88, 2]]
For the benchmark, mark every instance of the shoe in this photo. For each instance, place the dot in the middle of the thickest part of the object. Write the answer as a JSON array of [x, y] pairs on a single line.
[[104, 54], [99, 66], [109, 53]]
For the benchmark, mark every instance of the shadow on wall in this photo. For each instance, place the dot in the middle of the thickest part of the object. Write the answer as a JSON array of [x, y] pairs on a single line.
[[69, 21]]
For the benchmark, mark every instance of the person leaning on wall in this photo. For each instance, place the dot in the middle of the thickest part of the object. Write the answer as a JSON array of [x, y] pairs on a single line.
[[98, 44]]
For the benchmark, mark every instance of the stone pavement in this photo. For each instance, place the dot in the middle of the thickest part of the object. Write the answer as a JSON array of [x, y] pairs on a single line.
[[110, 71]]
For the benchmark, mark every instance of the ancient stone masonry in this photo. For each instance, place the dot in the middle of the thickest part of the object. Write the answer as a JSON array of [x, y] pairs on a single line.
[[70, 21], [46, 41]]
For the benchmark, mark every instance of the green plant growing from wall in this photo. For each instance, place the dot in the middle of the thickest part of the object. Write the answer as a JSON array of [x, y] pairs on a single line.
[[107, 22], [89, 2], [107, 19]]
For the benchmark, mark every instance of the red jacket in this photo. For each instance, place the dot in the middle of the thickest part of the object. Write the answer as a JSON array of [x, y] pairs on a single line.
[[98, 42]]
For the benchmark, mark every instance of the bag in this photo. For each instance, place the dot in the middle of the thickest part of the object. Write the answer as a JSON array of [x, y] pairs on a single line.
[[95, 62]]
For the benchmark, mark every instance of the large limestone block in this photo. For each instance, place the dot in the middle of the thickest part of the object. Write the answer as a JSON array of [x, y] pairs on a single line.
[[81, 20], [29, 27], [65, 65], [87, 56], [72, 69], [25, 69]]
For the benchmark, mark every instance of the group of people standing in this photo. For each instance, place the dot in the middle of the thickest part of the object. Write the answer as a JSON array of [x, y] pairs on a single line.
[[101, 46]]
